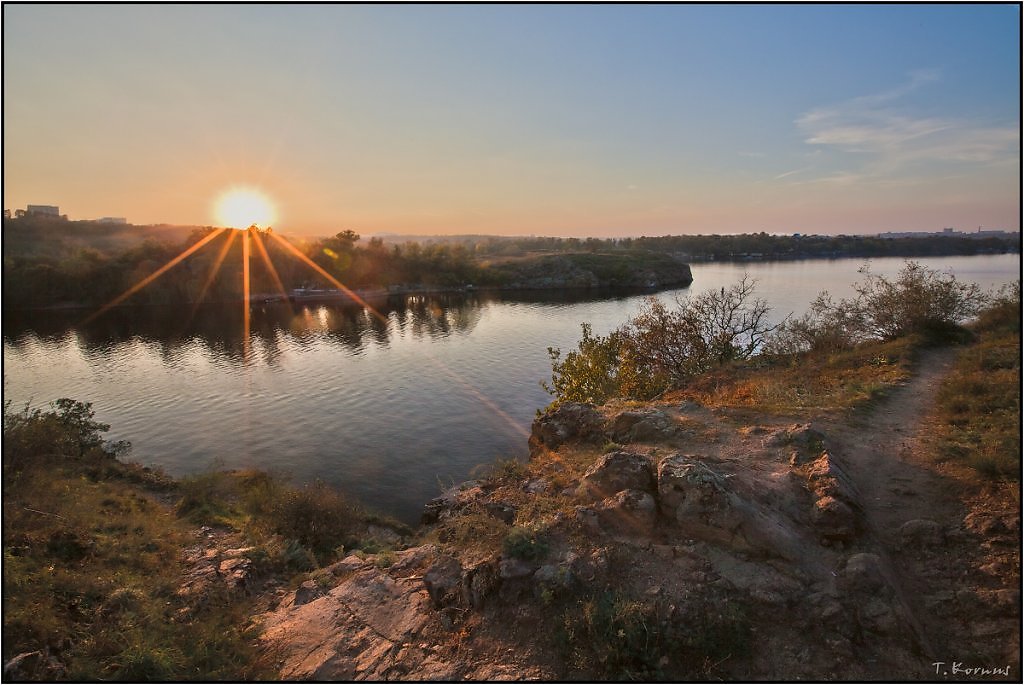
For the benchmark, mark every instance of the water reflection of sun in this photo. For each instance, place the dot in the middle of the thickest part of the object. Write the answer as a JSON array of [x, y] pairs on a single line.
[[242, 208], [251, 211]]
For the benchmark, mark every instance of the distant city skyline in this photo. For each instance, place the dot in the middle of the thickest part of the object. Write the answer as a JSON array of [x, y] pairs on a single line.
[[606, 120]]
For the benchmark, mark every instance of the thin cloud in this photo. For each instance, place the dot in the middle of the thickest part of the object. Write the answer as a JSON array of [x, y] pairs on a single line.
[[790, 173], [888, 140]]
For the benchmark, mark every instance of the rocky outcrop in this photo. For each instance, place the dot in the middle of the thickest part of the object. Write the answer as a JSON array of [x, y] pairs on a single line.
[[748, 537], [615, 472], [835, 512], [570, 422], [373, 625], [216, 563], [451, 501], [642, 425]]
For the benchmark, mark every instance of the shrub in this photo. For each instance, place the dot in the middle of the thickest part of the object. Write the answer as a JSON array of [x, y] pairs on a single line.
[[316, 516], [703, 332], [588, 373], [33, 437], [827, 327], [522, 543], [918, 300], [660, 347]]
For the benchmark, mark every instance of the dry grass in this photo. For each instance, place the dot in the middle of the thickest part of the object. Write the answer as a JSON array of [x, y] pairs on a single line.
[[90, 573], [979, 403], [842, 380]]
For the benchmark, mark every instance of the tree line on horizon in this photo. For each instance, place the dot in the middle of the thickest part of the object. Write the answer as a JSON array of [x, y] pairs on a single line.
[[86, 264]]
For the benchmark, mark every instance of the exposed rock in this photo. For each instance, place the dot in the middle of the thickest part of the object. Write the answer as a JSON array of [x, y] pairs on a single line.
[[834, 519], [836, 512], [451, 501], [501, 510], [383, 534], [700, 501], [407, 560], [369, 627], [511, 569], [479, 582], [807, 440], [863, 574], [920, 533], [878, 616], [569, 422], [306, 593], [615, 472], [688, 488], [629, 512], [347, 565], [587, 517], [826, 477], [536, 486], [443, 581], [208, 565], [587, 567], [643, 425]]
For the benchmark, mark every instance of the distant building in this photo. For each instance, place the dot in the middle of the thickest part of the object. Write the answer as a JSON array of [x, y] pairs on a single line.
[[7, 214], [42, 210], [113, 220]]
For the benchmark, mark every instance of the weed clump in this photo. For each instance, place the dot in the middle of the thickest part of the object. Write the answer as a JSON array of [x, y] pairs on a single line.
[[609, 636], [526, 544]]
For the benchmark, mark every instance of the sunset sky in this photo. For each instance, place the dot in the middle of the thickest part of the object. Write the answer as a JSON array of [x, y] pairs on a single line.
[[606, 120]]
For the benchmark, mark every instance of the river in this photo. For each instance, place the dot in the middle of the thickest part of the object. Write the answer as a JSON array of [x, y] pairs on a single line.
[[390, 409]]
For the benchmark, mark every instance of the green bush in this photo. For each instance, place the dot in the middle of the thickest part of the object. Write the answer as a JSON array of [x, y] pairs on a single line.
[[919, 302], [660, 348], [523, 543]]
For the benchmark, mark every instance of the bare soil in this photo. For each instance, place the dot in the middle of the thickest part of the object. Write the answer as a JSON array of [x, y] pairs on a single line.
[[962, 587]]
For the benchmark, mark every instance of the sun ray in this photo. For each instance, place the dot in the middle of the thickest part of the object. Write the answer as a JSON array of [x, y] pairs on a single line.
[[334, 281], [217, 263], [153, 276], [245, 294], [447, 370], [270, 265]]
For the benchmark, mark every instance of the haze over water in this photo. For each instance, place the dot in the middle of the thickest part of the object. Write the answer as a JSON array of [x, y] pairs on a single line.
[[389, 412]]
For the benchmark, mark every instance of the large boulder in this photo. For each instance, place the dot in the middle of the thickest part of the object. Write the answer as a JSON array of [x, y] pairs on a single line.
[[570, 422], [444, 581], [643, 425], [628, 512], [615, 472], [699, 501], [690, 489]]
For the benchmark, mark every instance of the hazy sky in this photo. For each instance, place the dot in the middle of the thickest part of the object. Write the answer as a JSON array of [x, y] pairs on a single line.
[[599, 120]]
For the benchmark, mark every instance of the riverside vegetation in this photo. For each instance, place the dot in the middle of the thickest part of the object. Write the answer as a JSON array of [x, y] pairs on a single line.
[[672, 521], [53, 263]]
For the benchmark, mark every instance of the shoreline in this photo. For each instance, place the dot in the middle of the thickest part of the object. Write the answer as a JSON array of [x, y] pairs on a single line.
[[383, 292]]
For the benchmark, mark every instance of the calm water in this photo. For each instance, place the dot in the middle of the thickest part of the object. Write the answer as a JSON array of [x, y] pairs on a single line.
[[389, 412]]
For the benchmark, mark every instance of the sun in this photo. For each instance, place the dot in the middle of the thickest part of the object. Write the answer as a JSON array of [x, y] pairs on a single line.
[[242, 208]]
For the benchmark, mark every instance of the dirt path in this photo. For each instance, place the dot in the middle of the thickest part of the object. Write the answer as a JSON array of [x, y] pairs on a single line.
[[947, 537]]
